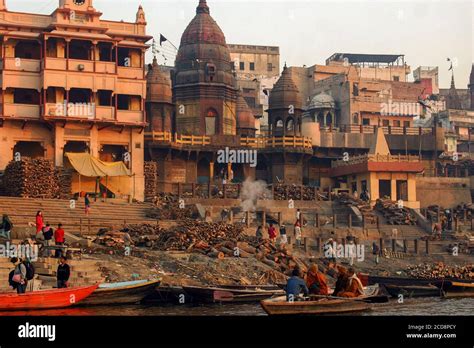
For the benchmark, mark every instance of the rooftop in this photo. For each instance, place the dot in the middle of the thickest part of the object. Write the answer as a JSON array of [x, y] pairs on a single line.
[[357, 58]]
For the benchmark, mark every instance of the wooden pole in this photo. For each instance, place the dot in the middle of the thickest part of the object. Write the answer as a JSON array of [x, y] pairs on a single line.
[[405, 246], [415, 242], [427, 247], [381, 244], [349, 219], [394, 245]]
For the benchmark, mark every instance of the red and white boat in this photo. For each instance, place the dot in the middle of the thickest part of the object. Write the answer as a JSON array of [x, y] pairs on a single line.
[[44, 299]]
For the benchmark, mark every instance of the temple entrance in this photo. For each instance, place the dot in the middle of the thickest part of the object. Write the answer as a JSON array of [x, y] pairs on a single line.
[[31, 149], [385, 188]]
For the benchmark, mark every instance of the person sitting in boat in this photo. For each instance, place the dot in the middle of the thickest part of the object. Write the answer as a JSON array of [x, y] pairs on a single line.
[[354, 287], [316, 281], [63, 273], [295, 286], [342, 280]]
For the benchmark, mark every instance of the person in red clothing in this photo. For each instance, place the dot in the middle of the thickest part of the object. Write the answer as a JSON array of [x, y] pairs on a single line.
[[59, 240], [39, 222], [272, 233]]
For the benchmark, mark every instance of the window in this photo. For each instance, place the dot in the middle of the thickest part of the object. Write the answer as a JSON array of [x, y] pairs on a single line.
[[385, 123], [396, 123], [242, 65], [366, 122], [252, 66], [396, 78], [270, 67], [406, 123]]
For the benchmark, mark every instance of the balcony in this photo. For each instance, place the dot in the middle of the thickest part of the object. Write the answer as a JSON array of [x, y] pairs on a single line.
[[130, 73], [81, 65], [105, 67], [21, 64], [74, 111], [22, 110], [55, 63], [129, 116], [105, 113]]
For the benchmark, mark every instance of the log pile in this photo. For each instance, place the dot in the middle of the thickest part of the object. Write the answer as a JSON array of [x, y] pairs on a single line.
[[283, 192], [167, 207], [64, 180], [364, 207], [151, 179], [441, 270], [393, 214], [31, 178]]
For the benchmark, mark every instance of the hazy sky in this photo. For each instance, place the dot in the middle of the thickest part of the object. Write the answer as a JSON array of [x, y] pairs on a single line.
[[308, 32]]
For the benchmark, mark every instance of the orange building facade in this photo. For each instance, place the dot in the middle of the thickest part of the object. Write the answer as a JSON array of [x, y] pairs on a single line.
[[73, 82]]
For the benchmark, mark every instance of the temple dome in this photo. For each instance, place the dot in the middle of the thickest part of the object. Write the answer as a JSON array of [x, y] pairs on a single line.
[[285, 93], [158, 84], [203, 51], [322, 101], [245, 116]]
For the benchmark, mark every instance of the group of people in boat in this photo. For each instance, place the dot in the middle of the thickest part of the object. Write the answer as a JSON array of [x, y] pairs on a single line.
[[314, 282]]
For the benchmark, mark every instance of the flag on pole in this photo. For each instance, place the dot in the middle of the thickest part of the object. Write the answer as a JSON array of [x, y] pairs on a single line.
[[162, 39]]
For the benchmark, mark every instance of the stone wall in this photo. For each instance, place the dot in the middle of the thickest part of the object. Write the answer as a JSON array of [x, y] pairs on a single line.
[[447, 192]]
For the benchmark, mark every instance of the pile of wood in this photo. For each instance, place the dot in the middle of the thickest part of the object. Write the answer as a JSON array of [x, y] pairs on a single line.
[[364, 207], [441, 270], [112, 239], [151, 179], [31, 178], [168, 207], [192, 234], [283, 192], [64, 180], [393, 214]]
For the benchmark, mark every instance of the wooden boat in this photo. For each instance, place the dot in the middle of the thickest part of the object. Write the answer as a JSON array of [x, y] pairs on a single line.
[[121, 292], [455, 289], [371, 295], [219, 294], [56, 298], [280, 306], [412, 290], [370, 280], [167, 294]]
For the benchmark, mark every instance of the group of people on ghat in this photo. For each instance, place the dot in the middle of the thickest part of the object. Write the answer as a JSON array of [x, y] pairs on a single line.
[[314, 282], [283, 239], [52, 241]]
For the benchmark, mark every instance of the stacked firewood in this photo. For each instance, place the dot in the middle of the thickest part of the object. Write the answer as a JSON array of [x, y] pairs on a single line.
[[31, 178], [393, 214], [191, 234], [363, 206], [169, 207], [151, 179], [64, 179], [441, 270]]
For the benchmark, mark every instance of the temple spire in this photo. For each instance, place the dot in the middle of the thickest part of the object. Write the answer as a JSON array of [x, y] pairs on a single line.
[[202, 7]]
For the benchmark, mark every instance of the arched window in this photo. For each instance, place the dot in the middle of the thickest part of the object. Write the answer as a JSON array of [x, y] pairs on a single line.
[[211, 121], [290, 124], [279, 123], [355, 118], [320, 119], [329, 119]]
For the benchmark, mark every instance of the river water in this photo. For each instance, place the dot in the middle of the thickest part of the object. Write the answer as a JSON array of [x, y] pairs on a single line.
[[419, 306]]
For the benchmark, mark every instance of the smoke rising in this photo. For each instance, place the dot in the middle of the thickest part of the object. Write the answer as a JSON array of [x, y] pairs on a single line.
[[252, 191]]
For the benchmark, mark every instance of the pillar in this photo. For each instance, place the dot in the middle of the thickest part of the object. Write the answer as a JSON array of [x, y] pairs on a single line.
[[58, 145], [393, 183]]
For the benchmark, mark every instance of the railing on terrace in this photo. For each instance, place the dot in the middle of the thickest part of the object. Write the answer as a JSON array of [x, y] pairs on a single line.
[[283, 141], [168, 137], [389, 130], [252, 142], [376, 158]]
